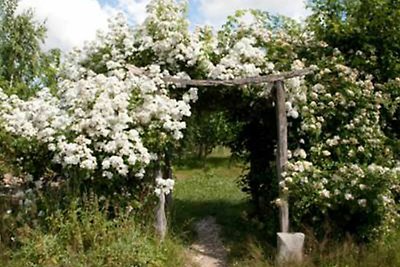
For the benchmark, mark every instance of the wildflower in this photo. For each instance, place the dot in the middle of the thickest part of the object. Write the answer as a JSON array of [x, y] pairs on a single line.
[[326, 153]]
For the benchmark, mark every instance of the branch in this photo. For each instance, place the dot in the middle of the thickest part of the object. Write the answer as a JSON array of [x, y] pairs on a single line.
[[235, 82]]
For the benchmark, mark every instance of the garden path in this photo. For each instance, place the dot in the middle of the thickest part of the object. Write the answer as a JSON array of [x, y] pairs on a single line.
[[208, 250]]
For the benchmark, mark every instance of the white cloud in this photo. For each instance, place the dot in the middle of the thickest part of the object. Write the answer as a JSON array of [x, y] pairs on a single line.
[[72, 22], [69, 22], [215, 12], [135, 9]]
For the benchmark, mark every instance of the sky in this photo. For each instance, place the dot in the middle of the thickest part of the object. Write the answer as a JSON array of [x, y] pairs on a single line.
[[71, 22]]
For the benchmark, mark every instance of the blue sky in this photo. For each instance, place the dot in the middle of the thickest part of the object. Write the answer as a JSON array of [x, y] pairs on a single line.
[[71, 22], [194, 15]]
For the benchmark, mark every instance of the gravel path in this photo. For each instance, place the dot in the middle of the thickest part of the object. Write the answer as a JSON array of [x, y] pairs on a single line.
[[208, 250]]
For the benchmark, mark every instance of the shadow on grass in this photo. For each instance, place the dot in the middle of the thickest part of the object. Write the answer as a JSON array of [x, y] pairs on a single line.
[[209, 162]]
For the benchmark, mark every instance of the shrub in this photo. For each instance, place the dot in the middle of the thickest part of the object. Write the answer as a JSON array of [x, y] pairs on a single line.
[[342, 176]]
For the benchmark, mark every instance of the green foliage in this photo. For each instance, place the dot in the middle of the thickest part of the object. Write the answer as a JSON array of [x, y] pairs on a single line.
[[367, 26], [85, 236], [205, 131], [367, 33], [25, 155], [24, 68]]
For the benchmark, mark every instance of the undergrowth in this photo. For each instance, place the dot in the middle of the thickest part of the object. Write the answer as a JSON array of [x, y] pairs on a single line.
[[87, 236]]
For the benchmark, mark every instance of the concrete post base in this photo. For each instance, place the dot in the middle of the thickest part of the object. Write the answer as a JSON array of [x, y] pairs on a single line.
[[290, 248]]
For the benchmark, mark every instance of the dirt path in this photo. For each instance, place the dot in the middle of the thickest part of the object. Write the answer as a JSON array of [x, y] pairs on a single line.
[[208, 250]]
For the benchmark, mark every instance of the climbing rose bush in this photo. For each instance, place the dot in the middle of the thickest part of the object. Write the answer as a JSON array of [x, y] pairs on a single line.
[[100, 122], [106, 120], [342, 174]]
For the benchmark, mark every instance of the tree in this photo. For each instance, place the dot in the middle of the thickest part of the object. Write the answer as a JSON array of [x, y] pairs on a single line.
[[366, 31], [24, 67], [367, 34]]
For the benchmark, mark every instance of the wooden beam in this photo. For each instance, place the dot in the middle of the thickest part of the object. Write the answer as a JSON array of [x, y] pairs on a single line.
[[234, 82], [281, 155]]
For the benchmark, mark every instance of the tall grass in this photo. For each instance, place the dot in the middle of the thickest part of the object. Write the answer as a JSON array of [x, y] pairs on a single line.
[[86, 236]]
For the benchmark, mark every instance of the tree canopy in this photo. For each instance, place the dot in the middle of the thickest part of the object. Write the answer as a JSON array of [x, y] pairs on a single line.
[[24, 67], [366, 31]]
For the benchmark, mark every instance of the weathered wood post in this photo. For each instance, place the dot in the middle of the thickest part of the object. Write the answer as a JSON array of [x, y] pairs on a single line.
[[290, 246], [281, 153], [160, 223]]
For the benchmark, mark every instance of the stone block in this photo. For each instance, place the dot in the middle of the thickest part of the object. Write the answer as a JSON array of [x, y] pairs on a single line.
[[290, 248]]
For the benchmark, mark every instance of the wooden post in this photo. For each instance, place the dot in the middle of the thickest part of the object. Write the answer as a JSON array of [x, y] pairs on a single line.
[[169, 175], [281, 155], [160, 223], [290, 245]]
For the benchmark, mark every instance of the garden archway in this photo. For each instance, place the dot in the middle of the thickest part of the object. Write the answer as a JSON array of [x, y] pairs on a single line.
[[289, 245]]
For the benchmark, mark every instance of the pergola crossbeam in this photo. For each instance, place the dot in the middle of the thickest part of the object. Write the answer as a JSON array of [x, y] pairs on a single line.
[[233, 82]]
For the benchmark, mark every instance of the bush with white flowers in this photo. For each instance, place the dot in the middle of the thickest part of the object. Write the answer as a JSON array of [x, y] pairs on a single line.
[[343, 176], [104, 120], [98, 123]]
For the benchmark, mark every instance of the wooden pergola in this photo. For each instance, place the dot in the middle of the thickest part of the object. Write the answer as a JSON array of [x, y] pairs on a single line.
[[282, 147]]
